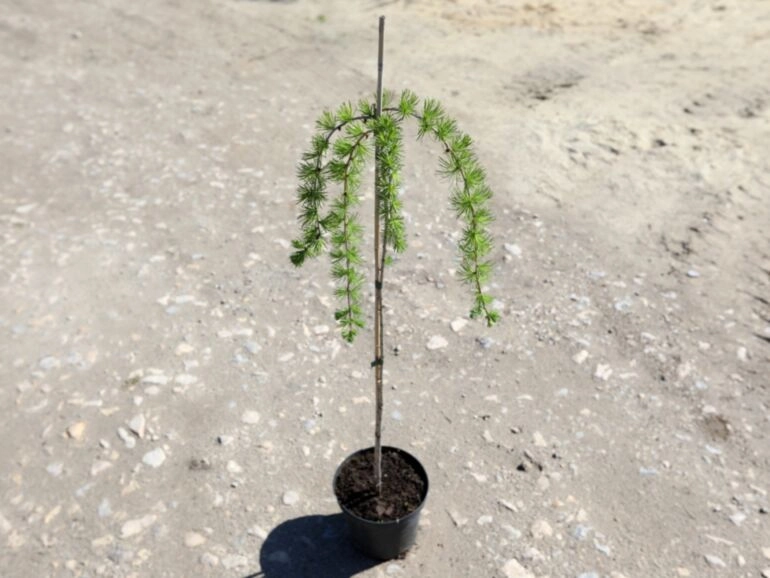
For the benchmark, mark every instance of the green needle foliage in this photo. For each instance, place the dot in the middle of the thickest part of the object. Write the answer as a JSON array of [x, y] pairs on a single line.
[[344, 141]]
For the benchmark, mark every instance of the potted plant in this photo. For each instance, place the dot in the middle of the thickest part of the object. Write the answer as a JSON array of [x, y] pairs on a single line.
[[380, 489]]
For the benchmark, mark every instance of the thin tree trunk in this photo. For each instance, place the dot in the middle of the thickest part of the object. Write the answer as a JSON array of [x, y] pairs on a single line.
[[379, 270]]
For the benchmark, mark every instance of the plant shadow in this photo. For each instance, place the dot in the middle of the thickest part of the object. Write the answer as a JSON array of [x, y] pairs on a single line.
[[311, 547]]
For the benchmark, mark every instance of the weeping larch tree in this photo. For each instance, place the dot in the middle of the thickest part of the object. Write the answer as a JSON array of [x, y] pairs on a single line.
[[344, 141]]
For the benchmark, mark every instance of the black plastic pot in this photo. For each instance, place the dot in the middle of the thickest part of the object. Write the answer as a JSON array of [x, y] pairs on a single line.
[[384, 540]]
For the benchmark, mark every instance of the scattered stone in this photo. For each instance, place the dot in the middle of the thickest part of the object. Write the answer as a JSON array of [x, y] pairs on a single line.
[[580, 357], [51, 515], [484, 342], [290, 498], [513, 533], [457, 519], [55, 469], [512, 569], [436, 342], [198, 464], [693, 274], [512, 249], [24, 209], [102, 541], [531, 554], [49, 362], [394, 570], [137, 425], [183, 349], [589, 575], [76, 430], [484, 520], [458, 324], [5, 525], [209, 559], [539, 440], [185, 379], [623, 304], [234, 467], [738, 518], [766, 573], [766, 553], [257, 531], [252, 347], [99, 466], [715, 561], [310, 426], [231, 561], [321, 329], [154, 458], [223, 440], [105, 509], [250, 417], [648, 472], [581, 532], [541, 529], [155, 379], [194, 539], [136, 526], [127, 438], [603, 372]]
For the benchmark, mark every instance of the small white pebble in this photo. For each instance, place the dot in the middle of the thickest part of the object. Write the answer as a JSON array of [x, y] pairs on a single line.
[[154, 458], [250, 417], [290, 498], [539, 440], [580, 356], [231, 561], [603, 372], [194, 539], [137, 425], [436, 342], [541, 529], [715, 561]]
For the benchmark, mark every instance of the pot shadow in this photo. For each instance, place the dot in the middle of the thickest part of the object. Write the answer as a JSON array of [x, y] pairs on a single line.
[[311, 547]]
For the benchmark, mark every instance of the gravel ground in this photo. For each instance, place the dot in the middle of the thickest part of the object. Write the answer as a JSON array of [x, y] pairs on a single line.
[[176, 396]]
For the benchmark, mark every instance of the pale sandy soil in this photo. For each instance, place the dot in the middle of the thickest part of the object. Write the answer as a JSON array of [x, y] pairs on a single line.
[[175, 399]]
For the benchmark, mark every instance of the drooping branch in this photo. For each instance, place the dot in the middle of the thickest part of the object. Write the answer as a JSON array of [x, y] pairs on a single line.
[[469, 198], [389, 157], [345, 168], [342, 135], [313, 173]]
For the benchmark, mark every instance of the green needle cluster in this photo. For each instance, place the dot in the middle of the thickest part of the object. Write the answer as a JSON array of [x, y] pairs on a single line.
[[338, 153]]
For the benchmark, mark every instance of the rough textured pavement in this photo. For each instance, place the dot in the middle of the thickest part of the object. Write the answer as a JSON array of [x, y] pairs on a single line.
[[175, 399]]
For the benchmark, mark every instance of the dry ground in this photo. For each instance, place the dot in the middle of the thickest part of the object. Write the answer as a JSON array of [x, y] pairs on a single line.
[[175, 398]]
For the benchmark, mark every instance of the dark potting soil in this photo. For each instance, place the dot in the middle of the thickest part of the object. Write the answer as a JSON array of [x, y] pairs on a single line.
[[402, 487]]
